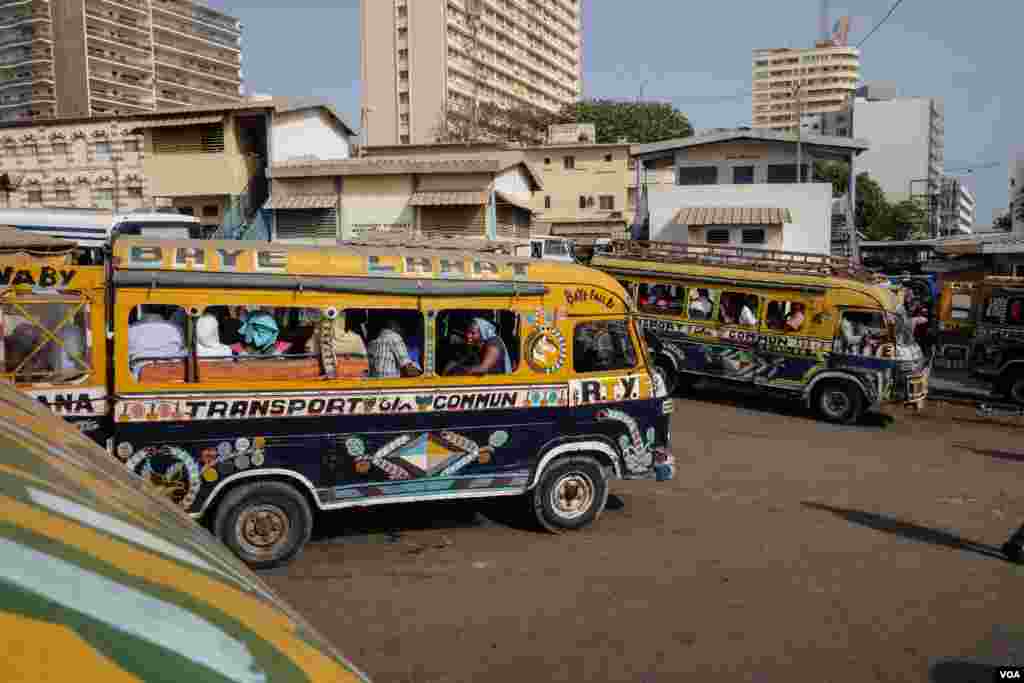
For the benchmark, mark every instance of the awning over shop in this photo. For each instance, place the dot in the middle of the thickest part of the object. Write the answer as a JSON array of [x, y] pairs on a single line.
[[309, 201], [449, 199], [732, 215], [178, 121]]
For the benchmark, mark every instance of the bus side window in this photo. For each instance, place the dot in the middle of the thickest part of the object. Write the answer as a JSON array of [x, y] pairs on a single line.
[[157, 346], [30, 352], [602, 345], [702, 303], [456, 355], [394, 340], [785, 316], [735, 308], [661, 299]]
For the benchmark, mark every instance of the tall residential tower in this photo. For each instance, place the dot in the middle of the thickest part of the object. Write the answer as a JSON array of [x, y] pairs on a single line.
[[805, 86], [92, 57], [426, 59]]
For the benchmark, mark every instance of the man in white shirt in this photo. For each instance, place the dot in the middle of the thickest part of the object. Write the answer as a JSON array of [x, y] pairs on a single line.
[[153, 339]]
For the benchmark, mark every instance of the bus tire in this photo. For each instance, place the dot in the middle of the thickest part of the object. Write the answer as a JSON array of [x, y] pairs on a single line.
[[571, 494], [265, 523], [838, 401], [1013, 387], [1013, 550]]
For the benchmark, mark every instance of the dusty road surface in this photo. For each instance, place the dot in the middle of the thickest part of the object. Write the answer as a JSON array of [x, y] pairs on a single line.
[[785, 550]]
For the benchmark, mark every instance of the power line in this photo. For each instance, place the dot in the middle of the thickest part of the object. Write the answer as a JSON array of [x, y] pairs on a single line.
[[879, 24]]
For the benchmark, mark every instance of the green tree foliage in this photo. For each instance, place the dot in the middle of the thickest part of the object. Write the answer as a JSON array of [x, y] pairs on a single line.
[[872, 205], [905, 220], [1004, 222], [637, 122]]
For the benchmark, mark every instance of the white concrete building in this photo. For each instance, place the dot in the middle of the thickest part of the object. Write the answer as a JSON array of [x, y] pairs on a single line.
[[956, 208], [1017, 193], [907, 142], [739, 188]]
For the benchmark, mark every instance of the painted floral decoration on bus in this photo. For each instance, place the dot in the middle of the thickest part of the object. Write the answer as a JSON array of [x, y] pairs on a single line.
[[428, 454]]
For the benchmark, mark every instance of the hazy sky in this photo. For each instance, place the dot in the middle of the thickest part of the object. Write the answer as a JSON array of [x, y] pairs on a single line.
[[698, 56]]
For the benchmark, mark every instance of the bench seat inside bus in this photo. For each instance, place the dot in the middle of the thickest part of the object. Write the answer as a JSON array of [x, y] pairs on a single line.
[[258, 369]]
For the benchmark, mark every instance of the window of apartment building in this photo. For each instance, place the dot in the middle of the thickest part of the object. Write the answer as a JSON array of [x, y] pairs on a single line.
[[62, 193], [35, 196], [785, 173], [404, 140], [569, 162], [403, 54], [403, 12], [608, 158], [103, 151], [134, 191], [403, 98], [716, 236], [104, 194], [607, 202], [403, 33], [631, 164], [403, 75], [547, 161], [60, 148], [211, 211], [131, 145], [742, 175], [586, 202], [547, 201], [404, 119], [698, 175], [753, 236]]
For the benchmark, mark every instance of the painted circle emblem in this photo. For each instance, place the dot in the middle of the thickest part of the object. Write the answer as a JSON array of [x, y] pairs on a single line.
[[545, 350], [170, 470]]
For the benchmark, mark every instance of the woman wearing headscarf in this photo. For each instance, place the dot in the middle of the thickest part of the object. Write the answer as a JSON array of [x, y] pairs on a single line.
[[208, 344], [482, 338], [259, 334]]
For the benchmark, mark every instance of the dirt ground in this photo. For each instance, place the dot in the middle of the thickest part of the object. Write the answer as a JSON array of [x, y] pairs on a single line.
[[785, 550]]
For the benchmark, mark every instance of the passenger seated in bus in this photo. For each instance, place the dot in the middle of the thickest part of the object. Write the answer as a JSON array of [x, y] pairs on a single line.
[[485, 352], [700, 305], [795, 319], [153, 338], [259, 335], [727, 311], [208, 344], [388, 354], [19, 346]]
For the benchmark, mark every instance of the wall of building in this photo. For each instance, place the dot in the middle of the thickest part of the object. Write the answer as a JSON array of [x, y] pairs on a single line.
[[77, 165], [899, 132], [453, 182], [809, 204], [592, 177], [516, 183], [427, 67], [726, 157], [379, 71], [310, 133], [1016, 199], [69, 57], [369, 202], [177, 174]]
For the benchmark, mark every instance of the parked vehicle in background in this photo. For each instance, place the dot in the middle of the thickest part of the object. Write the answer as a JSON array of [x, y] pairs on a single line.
[[93, 229], [953, 324], [104, 580], [805, 325], [550, 248], [997, 347]]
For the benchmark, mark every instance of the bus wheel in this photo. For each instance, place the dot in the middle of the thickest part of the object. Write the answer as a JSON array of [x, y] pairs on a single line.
[[668, 376], [265, 523], [1013, 551], [1014, 388], [838, 401], [571, 494]]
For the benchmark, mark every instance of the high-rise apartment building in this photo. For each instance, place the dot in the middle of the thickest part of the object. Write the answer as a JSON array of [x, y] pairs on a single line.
[[91, 57], [957, 208], [798, 86], [425, 60]]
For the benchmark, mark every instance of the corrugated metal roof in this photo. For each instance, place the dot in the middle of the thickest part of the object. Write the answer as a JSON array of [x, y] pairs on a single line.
[[12, 238], [448, 199], [732, 215], [308, 201], [177, 121], [809, 141]]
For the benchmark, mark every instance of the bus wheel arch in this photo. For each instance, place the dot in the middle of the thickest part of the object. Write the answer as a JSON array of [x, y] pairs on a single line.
[[838, 399], [570, 493], [265, 520], [601, 450]]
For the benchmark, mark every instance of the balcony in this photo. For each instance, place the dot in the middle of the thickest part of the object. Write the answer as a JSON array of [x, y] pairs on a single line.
[[118, 18], [130, 5], [101, 104], [101, 57], [194, 45], [181, 94], [17, 98], [113, 91], [25, 34], [190, 12], [20, 56], [183, 80], [19, 13], [11, 77], [122, 78], [171, 22], [28, 112], [110, 36], [203, 66]]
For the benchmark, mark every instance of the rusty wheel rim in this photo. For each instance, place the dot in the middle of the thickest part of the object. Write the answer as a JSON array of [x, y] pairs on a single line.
[[261, 529]]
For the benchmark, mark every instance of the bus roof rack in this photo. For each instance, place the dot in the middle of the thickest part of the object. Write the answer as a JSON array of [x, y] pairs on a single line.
[[435, 244], [1005, 280], [766, 260]]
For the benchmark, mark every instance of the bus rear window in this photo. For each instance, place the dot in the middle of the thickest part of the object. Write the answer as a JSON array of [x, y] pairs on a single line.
[[603, 345]]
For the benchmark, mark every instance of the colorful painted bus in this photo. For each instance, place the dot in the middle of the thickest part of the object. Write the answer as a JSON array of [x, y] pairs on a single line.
[[806, 325]]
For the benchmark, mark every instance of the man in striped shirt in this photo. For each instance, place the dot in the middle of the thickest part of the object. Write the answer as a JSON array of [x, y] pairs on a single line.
[[388, 354]]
